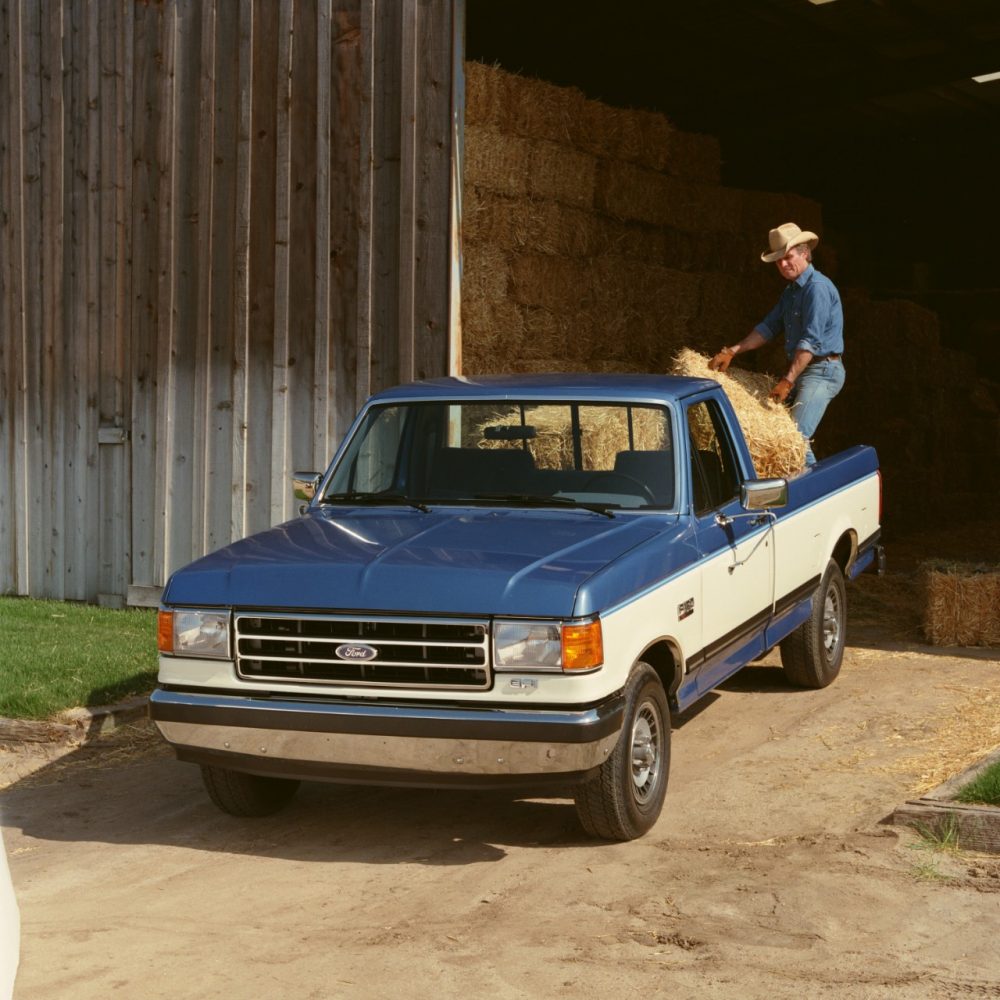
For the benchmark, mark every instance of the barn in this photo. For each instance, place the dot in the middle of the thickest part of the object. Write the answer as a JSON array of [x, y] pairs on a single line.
[[223, 223]]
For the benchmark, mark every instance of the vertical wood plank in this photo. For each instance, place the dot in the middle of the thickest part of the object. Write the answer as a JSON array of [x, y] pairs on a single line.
[[14, 297], [281, 388], [124, 70], [220, 414], [409, 86], [203, 186], [55, 350], [150, 40], [386, 162], [303, 212], [457, 167], [241, 290], [37, 447], [165, 321], [111, 491], [322, 257], [259, 379], [432, 244], [186, 250], [76, 299], [366, 206], [350, 209]]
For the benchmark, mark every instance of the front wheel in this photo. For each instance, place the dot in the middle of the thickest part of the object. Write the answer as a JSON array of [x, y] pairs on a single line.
[[623, 800], [812, 654], [241, 794]]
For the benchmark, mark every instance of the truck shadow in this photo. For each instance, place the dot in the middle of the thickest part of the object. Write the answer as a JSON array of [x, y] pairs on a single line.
[[151, 799]]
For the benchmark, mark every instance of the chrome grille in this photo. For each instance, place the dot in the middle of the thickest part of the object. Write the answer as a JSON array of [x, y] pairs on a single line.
[[404, 652]]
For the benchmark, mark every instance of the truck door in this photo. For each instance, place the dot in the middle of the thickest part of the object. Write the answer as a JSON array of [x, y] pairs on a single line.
[[735, 548]]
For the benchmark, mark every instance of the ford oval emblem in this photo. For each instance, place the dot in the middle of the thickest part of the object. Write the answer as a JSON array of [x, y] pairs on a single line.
[[356, 651]]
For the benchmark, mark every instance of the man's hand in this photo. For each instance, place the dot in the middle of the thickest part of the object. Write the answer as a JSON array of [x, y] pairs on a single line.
[[781, 390], [722, 360]]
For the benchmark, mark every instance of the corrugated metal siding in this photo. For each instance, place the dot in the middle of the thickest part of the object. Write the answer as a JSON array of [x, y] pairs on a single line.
[[223, 224]]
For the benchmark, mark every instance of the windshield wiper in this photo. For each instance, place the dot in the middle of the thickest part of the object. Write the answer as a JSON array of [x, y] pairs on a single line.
[[530, 500], [376, 499]]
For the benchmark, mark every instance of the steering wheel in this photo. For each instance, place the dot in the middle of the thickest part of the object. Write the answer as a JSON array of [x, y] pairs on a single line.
[[622, 477]]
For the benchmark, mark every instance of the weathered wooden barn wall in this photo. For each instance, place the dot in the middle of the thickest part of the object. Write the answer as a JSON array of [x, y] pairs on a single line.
[[222, 224]]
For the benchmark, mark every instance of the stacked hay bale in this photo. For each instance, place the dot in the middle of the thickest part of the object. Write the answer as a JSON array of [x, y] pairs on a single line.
[[923, 406], [961, 604], [599, 238]]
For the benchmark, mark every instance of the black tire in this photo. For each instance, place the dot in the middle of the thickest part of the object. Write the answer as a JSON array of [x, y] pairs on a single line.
[[624, 799], [812, 654], [241, 794]]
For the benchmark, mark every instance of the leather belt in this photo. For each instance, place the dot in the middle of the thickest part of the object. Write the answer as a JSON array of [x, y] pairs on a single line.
[[825, 357]]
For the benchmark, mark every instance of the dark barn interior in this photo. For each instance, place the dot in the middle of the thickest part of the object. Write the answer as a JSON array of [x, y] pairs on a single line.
[[868, 106], [871, 109]]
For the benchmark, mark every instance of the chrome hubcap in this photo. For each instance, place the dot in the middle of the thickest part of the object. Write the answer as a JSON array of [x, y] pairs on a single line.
[[831, 623], [646, 733]]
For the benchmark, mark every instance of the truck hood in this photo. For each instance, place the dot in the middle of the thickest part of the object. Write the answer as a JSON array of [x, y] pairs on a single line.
[[455, 561]]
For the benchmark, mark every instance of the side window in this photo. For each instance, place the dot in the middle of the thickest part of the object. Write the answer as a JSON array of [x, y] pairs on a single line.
[[714, 476]]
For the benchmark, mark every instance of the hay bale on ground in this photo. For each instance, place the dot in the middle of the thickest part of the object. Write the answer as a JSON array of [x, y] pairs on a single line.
[[961, 604], [776, 446]]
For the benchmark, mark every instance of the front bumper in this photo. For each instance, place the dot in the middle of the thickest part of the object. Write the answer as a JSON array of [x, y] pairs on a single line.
[[396, 744]]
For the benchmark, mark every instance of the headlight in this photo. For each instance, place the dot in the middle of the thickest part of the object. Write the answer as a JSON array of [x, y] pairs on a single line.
[[186, 632], [547, 646]]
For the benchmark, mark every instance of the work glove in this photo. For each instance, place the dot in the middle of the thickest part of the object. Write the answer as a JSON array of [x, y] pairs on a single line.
[[781, 390], [722, 360]]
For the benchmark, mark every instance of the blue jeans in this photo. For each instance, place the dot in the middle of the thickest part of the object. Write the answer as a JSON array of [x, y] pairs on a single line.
[[814, 389]]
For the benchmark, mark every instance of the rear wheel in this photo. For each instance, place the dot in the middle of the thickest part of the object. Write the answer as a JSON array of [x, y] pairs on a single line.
[[812, 654], [241, 794], [623, 800]]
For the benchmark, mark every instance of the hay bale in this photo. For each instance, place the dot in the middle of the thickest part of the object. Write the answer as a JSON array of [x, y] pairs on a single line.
[[563, 174], [605, 431], [763, 210], [695, 156], [536, 109], [776, 446], [961, 604], [556, 283], [496, 161], [628, 192], [485, 94]]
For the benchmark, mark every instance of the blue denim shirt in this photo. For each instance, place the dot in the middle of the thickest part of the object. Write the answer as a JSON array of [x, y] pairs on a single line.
[[810, 313]]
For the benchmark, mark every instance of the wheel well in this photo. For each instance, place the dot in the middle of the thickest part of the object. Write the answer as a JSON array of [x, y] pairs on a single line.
[[663, 658], [845, 550]]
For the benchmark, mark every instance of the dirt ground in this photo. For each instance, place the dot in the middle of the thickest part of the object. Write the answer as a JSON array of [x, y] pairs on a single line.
[[770, 873]]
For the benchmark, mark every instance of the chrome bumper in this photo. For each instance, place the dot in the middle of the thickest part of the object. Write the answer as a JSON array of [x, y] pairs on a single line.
[[386, 744]]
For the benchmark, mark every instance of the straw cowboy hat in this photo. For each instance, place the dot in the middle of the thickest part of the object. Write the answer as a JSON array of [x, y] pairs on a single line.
[[784, 238]]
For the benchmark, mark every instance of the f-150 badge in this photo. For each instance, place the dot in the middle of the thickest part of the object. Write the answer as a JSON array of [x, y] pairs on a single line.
[[685, 609]]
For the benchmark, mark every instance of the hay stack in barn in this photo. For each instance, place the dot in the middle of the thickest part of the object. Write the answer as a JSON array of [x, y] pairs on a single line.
[[776, 446], [961, 604]]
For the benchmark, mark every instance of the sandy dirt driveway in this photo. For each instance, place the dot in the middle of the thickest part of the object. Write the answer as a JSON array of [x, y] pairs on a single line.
[[768, 875]]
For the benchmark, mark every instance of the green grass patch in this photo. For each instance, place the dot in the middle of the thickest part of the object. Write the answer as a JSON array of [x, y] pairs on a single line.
[[984, 788], [56, 655]]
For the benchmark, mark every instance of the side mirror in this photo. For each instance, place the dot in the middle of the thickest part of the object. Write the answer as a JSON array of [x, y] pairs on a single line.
[[764, 494], [304, 486]]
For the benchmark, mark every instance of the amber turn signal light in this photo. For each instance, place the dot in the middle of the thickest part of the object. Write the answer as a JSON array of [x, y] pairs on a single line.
[[165, 631], [582, 646]]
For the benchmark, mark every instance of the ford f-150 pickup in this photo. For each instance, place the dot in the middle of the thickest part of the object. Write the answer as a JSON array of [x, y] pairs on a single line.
[[510, 581]]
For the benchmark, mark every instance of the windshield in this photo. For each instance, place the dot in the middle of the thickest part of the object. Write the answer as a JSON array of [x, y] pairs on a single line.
[[514, 453]]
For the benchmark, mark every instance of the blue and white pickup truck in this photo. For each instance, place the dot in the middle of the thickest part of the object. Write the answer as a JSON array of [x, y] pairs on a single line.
[[510, 581]]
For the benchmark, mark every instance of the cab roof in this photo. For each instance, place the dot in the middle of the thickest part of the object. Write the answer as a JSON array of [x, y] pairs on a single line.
[[554, 385]]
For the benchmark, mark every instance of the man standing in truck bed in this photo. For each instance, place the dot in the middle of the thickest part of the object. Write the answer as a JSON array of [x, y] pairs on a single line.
[[811, 316]]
